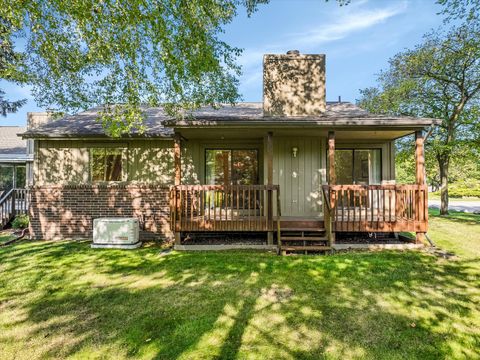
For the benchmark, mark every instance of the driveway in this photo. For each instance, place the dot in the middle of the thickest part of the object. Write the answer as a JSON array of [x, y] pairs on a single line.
[[458, 205]]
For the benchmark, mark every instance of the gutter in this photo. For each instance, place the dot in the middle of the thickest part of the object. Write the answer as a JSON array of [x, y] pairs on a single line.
[[314, 123], [41, 136]]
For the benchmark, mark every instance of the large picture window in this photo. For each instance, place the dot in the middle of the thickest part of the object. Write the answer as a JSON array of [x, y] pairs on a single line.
[[358, 166], [231, 166], [106, 164]]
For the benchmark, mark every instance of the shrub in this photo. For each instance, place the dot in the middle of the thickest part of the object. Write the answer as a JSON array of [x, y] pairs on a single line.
[[20, 222], [463, 189]]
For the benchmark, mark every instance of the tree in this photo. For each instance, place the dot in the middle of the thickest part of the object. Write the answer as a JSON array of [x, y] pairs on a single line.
[[460, 10], [439, 79], [9, 60], [126, 53]]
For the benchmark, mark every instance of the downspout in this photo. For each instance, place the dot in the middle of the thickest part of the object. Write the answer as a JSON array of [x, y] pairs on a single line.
[[22, 235]]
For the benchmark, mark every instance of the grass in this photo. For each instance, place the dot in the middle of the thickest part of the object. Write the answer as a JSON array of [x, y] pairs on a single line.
[[62, 299], [459, 232], [6, 235]]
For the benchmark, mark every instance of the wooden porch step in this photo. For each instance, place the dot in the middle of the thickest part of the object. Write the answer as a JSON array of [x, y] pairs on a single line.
[[307, 248], [304, 224], [302, 229], [305, 238]]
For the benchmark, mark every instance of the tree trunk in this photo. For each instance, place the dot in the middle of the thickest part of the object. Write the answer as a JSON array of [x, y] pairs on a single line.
[[443, 162]]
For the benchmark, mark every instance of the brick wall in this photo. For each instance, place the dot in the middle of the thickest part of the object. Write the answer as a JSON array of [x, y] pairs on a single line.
[[67, 211]]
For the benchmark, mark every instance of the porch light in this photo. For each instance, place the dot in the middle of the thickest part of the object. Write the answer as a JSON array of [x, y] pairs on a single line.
[[294, 151]]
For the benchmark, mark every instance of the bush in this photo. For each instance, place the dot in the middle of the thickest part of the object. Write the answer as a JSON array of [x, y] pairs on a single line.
[[463, 189], [20, 221]]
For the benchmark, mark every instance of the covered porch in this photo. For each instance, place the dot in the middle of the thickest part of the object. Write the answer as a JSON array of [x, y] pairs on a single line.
[[257, 207]]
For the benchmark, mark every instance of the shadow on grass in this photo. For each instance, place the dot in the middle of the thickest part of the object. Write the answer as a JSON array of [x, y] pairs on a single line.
[[227, 305]]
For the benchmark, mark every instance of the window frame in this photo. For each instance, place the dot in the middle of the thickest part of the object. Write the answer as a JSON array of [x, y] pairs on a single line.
[[232, 149], [353, 149], [123, 161]]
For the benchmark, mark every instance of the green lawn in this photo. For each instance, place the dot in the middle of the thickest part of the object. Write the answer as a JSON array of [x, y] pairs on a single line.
[[6, 235], [458, 232], [62, 299]]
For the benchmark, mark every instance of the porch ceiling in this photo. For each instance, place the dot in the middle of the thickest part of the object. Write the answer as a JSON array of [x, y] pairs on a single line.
[[357, 134]]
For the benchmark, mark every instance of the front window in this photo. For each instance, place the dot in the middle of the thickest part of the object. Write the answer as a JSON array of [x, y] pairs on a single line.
[[358, 166], [106, 164], [231, 166]]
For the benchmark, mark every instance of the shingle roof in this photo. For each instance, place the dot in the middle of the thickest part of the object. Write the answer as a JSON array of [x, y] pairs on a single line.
[[159, 124], [10, 143], [86, 124]]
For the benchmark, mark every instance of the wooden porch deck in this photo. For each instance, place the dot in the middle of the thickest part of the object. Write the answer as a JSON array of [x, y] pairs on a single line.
[[249, 208], [377, 208], [223, 208], [346, 208]]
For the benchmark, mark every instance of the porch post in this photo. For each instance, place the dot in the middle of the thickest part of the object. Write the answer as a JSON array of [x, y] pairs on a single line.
[[420, 180], [177, 154], [270, 182], [178, 159], [332, 179], [331, 158], [419, 158]]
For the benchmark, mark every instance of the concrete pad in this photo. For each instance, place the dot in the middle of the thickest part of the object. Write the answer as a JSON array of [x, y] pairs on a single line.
[[399, 246], [225, 247], [116, 246]]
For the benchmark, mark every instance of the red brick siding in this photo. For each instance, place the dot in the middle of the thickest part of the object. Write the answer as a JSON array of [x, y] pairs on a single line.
[[67, 211]]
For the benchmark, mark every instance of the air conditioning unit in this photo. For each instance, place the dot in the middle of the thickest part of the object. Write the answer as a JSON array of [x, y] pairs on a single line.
[[116, 233]]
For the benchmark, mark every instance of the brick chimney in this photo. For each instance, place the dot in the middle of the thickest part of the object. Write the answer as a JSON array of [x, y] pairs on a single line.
[[293, 84]]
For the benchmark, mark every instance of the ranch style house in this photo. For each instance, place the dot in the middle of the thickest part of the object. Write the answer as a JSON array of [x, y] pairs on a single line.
[[295, 169]]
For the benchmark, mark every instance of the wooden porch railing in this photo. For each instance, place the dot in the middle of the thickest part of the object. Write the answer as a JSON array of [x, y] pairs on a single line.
[[223, 207], [13, 202], [378, 208]]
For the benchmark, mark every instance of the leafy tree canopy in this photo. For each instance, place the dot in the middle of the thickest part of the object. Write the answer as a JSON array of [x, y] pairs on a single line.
[[128, 52], [440, 79], [460, 10], [125, 53], [9, 60]]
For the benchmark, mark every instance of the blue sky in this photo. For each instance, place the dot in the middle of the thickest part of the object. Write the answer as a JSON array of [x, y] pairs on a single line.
[[357, 39]]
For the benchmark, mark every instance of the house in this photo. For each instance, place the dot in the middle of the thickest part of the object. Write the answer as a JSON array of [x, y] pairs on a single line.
[[294, 165], [16, 167], [13, 158], [16, 154]]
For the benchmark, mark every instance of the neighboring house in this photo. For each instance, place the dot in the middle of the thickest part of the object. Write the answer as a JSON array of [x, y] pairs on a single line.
[[236, 169], [16, 154], [16, 167], [13, 158]]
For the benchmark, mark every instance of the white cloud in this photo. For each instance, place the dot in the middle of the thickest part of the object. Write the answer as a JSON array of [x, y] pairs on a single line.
[[346, 21], [350, 22]]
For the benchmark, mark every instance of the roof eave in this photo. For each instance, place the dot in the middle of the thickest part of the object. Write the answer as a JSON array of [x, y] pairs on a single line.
[[40, 136], [339, 123]]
